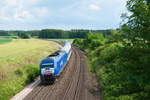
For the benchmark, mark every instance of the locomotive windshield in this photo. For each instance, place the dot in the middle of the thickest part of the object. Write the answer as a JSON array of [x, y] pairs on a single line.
[[49, 65]]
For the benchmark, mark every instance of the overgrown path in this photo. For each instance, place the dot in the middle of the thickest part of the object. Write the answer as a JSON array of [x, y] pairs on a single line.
[[75, 83]]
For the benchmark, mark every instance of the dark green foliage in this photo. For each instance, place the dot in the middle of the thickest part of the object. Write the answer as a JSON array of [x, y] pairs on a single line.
[[51, 33], [122, 59], [24, 35], [78, 33], [32, 72], [78, 43], [136, 26], [4, 33], [54, 33], [18, 72], [123, 71], [91, 42]]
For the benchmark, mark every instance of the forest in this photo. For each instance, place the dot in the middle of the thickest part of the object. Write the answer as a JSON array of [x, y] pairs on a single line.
[[121, 60], [52, 33]]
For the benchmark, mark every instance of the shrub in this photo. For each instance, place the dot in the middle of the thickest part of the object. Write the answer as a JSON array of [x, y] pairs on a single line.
[[32, 72], [78, 43], [18, 72], [24, 35]]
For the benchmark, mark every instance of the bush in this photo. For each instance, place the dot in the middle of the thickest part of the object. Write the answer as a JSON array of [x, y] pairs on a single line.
[[93, 41], [123, 70], [32, 72], [24, 35], [18, 72], [78, 43]]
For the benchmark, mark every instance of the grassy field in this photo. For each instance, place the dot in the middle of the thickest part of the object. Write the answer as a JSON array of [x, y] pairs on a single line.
[[62, 40], [5, 40], [11, 37], [20, 63]]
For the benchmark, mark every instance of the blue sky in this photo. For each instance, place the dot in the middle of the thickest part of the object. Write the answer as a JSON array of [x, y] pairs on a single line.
[[60, 14]]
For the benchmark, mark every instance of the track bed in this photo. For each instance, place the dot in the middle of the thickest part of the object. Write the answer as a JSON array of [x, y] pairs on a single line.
[[74, 83]]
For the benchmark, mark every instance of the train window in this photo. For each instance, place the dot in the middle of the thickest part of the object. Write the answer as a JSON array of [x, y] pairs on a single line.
[[48, 65], [54, 54]]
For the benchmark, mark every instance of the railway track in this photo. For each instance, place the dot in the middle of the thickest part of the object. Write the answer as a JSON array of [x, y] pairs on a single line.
[[66, 82], [69, 86], [73, 90]]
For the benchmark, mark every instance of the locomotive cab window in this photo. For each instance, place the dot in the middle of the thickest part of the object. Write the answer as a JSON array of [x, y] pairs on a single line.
[[50, 65]]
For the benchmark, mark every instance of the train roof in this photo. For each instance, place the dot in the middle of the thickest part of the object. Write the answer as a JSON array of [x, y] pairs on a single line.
[[66, 47], [56, 55]]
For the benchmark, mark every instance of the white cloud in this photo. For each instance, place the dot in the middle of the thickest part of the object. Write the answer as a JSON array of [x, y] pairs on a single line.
[[41, 11], [31, 13], [21, 16], [18, 11], [93, 7], [11, 2]]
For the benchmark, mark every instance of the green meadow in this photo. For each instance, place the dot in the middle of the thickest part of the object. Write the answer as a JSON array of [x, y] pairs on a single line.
[[20, 63], [5, 40]]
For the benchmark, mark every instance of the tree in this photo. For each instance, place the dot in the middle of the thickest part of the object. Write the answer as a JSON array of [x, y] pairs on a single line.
[[137, 25], [24, 35], [135, 55]]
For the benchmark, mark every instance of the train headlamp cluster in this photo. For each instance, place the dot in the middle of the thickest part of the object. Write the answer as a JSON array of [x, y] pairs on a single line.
[[47, 70]]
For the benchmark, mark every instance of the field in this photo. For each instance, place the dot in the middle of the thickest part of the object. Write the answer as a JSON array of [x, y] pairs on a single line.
[[19, 63], [5, 40]]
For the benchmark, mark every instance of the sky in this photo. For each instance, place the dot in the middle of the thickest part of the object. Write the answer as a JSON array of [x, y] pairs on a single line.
[[60, 14]]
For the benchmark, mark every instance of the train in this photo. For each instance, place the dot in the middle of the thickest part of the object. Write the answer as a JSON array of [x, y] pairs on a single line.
[[53, 65]]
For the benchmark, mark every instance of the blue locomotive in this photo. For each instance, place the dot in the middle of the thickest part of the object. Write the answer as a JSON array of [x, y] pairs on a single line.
[[51, 66]]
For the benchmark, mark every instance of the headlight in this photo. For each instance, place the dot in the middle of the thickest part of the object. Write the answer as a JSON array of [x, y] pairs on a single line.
[[42, 70], [47, 70], [52, 70]]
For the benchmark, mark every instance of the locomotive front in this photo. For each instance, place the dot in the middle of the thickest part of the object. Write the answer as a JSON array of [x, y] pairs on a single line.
[[47, 69], [52, 66]]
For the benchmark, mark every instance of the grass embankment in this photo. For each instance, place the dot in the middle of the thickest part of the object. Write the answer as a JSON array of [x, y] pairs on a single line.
[[62, 40], [20, 64], [5, 40]]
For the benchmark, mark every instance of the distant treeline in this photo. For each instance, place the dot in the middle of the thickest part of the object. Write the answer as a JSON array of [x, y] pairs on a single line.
[[53, 33]]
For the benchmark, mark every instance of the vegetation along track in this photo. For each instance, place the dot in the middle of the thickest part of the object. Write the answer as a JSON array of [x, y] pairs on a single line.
[[69, 86]]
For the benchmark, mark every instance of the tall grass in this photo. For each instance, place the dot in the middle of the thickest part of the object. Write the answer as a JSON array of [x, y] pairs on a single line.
[[20, 64]]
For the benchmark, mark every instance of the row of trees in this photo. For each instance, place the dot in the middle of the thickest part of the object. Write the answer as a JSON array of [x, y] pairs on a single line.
[[19, 33], [53, 33], [15, 33], [122, 59]]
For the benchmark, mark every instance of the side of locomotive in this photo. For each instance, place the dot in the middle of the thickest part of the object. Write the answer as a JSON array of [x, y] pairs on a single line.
[[51, 66]]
